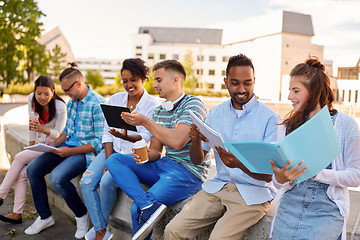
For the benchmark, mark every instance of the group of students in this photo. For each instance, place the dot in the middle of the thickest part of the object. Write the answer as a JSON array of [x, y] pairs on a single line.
[[231, 202]]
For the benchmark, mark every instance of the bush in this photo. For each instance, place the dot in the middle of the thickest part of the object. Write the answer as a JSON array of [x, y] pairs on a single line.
[[108, 89], [205, 93], [19, 88], [27, 88]]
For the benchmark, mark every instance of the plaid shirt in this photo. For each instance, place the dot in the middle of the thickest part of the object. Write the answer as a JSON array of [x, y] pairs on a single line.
[[90, 122]]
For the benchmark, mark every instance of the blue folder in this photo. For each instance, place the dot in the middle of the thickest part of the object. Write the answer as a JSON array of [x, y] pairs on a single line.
[[315, 142]]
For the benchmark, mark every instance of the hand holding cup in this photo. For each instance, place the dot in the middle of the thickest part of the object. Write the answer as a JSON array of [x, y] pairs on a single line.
[[33, 119], [140, 149]]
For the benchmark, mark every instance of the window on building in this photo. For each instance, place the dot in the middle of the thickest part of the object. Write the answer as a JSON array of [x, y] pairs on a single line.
[[349, 73], [145, 31], [150, 56], [176, 56], [138, 54], [337, 95], [349, 95], [211, 72], [210, 86], [139, 47], [212, 58], [162, 56], [223, 73], [343, 95], [225, 58], [356, 95], [200, 58], [223, 86], [199, 71]]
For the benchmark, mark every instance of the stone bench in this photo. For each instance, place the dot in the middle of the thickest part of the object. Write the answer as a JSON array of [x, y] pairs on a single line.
[[16, 138], [120, 219]]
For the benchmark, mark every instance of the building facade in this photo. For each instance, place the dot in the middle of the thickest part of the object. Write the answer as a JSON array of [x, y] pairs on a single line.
[[347, 72], [56, 37], [108, 68], [279, 42], [154, 44]]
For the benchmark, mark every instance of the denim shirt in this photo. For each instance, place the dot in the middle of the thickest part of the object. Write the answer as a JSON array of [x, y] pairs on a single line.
[[256, 123]]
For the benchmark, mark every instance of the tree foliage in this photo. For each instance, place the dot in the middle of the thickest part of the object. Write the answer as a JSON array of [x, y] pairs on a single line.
[[191, 80], [57, 62], [118, 79], [94, 78], [20, 26], [148, 85]]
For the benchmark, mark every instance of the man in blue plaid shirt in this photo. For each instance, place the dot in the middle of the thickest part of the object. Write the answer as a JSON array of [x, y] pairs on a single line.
[[78, 145]]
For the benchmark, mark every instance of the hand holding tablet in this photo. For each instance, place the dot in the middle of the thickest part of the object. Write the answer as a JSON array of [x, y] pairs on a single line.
[[113, 117]]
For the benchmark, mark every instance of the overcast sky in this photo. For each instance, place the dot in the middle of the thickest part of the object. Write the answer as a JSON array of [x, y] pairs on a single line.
[[103, 29]]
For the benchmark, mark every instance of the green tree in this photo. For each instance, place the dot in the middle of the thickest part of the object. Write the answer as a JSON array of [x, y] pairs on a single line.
[[19, 29], [148, 85], [35, 61], [94, 78], [57, 62], [191, 80], [118, 79]]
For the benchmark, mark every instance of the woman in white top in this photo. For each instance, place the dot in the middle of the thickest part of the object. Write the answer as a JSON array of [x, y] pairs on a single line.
[[133, 75], [316, 208], [51, 112]]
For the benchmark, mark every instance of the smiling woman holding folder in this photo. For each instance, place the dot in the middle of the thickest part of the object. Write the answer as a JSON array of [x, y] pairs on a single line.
[[316, 208]]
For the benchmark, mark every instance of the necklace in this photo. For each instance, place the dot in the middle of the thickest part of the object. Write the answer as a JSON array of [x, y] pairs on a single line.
[[131, 108]]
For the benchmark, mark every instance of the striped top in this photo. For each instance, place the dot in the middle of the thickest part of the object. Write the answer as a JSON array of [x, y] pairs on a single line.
[[181, 115]]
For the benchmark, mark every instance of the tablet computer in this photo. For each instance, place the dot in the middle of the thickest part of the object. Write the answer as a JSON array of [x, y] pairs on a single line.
[[113, 118]]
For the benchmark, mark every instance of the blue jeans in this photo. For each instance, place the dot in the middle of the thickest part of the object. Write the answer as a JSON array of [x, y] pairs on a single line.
[[99, 208], [306, 212], [169, 181], [61, 170]]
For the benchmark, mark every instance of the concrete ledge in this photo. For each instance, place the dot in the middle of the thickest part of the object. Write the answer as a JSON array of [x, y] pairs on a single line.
[[120, 219], [16, 138]]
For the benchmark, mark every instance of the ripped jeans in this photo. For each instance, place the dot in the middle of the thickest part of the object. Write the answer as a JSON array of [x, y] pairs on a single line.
[[99, 207]]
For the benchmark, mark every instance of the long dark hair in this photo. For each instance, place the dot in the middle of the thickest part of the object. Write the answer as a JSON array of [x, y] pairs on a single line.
[[45, 81], [317, 83]]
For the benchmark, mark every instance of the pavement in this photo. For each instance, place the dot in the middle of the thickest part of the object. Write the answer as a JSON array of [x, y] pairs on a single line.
[[64, 228]]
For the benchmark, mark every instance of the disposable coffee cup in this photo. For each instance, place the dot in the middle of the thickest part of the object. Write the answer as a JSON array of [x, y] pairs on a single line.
[[140, 148]]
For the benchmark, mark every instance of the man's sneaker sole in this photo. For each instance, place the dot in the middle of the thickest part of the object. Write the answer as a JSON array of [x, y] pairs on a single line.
[[146, 229]]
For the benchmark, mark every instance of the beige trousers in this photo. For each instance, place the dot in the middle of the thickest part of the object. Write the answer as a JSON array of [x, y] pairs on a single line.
[[226, 210]]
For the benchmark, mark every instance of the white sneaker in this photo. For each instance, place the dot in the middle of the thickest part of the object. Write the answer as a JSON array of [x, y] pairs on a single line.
[[91, 234], [39, 225], [82, 226]]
